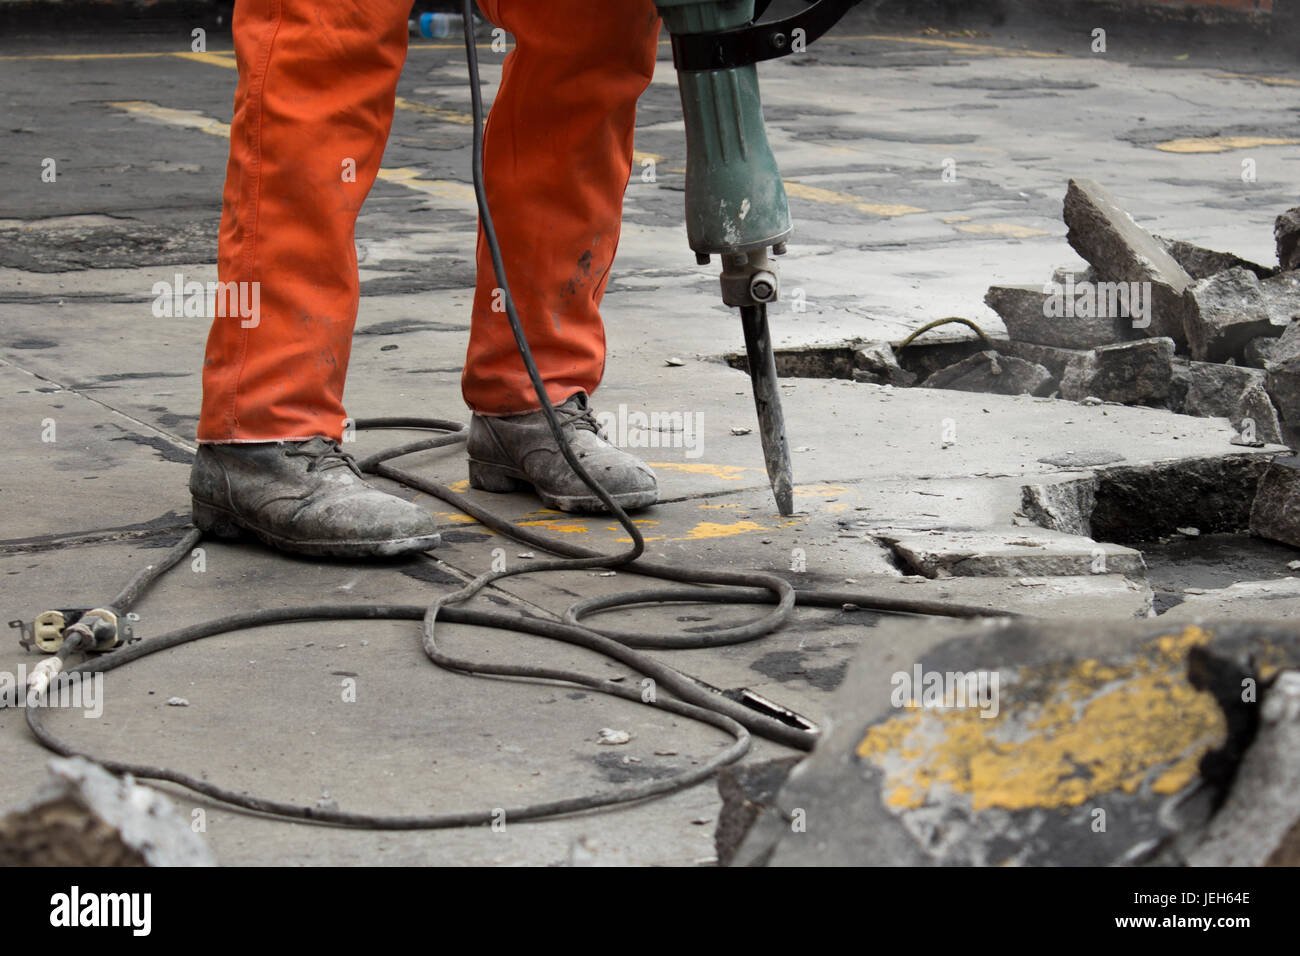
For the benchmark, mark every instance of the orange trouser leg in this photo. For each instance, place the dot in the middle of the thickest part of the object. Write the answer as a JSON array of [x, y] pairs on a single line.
[[313, 109], [557, 154]]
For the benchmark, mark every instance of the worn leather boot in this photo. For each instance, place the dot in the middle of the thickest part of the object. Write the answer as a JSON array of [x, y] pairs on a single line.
[[505, 453], [307, 497]]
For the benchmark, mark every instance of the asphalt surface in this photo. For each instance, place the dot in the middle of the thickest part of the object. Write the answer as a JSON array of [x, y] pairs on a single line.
[[864, 127]]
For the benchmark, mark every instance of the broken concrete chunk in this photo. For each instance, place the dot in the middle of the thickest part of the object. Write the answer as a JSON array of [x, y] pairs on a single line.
[[1093, 724], [1282, 375], [1133, 373], [1122, 251], [990, 372], [1077, 273], [1214, 391], [1258, 351], [1224, 312], [1201, 263], [1286, 232], [1275, 513], [85, 816], [1282, 297], [1056, 315], [1255, 419], [747, 790], [1011, 552], [877, 364], [1049, 357], [1064, 506]]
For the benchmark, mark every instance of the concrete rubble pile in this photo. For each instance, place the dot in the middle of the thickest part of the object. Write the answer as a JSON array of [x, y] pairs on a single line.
[[1152, 321]]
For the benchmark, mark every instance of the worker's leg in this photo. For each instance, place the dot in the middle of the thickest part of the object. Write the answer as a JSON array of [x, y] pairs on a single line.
[[557, 155], [313, 108]]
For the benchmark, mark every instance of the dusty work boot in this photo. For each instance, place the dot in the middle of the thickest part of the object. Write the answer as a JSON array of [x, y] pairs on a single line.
[[307, 497], [505, 453]]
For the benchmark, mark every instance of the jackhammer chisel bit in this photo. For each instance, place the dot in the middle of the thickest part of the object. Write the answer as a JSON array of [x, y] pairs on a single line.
[[767, 399]]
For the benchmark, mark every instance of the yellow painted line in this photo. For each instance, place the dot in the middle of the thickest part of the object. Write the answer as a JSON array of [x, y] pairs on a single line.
[[441, 188], [1008, 229], [817, 194], [975, 49], [1266, 80], [92, 56], [190, 119], [224, 58], [457, 192], [193, 56], [1098, 729], [1222, 144]]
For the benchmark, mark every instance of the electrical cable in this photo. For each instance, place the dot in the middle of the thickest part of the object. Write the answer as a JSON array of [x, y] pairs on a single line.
[[692, 699]]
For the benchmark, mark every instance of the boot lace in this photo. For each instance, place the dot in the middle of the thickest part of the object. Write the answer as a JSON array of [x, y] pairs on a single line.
[[323, 453]]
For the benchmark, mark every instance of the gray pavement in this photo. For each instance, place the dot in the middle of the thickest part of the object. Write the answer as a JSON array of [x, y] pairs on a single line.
[[863, 126]]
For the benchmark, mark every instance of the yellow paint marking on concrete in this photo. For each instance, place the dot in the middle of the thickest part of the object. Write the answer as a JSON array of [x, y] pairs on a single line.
[[638, 157], [561, 527], [817, 194], [190, 119], [1222, 144], [457, 192], [1266, 80], [437, 112], [224, 58], [808, 491], [1100, 729], [92, 56], [713, 529], [974, 49], [951, 219], [723, 472], [455, 517], [1010, 230], [461, 486]]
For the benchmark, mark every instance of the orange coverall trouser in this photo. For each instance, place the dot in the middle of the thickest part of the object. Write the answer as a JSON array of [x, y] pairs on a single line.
[[316, 91]]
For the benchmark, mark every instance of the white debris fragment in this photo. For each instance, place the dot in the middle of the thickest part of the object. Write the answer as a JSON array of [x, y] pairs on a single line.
[[177, 702], [673, 361], [612, 737], [1189, 532], [740, 430]]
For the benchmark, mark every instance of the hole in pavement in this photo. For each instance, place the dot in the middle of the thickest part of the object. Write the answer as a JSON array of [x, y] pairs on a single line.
[[1211, 561], [1143, 507], [836, 361]]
